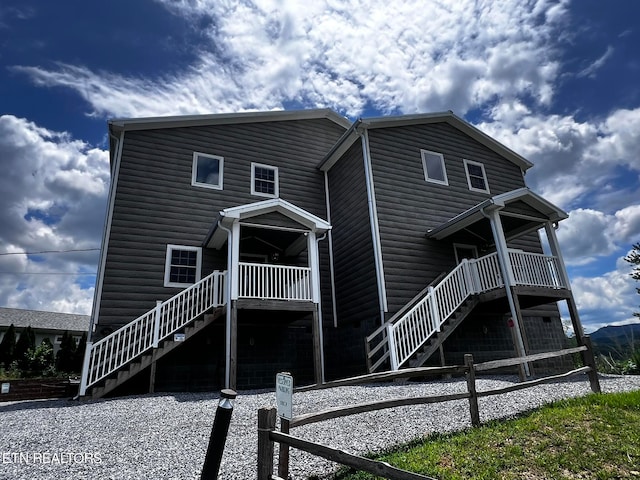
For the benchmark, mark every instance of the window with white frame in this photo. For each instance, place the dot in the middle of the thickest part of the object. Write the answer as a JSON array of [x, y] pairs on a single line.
[[183, 265], [476, 176], [434, 169], [264, 180], [207, 170]]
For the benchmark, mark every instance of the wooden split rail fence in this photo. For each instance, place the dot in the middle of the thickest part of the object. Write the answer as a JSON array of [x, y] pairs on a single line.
[[268, 435]]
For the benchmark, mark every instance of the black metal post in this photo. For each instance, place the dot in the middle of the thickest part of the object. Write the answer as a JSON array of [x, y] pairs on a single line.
[[218, 435]]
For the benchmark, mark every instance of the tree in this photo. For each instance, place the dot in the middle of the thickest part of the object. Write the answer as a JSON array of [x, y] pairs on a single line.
[[66, 354], [78, 358], [42, 359], [8, 347], [634, 259], [26, 342]]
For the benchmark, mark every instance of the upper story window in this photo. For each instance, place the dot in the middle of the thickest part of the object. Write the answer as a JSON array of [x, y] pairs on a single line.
[[433, 165], [183, 265], [264, 180], [207, 171], [476, 176]]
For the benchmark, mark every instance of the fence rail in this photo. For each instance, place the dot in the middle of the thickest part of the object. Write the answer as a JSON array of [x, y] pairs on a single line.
[[267, 435], [107, 355]]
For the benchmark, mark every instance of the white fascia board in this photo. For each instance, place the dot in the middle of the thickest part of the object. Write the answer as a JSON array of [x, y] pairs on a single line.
[[535, 201], [281, 206]]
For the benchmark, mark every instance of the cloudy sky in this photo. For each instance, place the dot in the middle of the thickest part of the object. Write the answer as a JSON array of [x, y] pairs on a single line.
[[557, 81]]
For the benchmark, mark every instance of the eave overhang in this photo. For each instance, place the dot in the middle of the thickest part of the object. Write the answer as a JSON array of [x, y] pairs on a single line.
[[474, 220]]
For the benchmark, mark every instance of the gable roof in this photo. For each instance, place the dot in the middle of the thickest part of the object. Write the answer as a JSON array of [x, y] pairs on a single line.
[[39, 320], [543, 211], [351, 135], [118, 125], [217, 236]]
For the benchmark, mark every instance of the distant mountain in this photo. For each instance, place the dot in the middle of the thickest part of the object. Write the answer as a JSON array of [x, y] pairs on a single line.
[[619, 341]]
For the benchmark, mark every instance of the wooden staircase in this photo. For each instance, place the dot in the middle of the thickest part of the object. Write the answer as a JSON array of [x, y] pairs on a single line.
[[432, 344], [114, 359], [145, 360]]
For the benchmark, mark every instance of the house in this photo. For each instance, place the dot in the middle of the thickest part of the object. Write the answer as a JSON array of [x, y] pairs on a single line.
[[240, 245], [51, 325]]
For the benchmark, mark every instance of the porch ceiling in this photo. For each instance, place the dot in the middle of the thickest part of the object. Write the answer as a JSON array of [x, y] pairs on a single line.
[[521, 211]]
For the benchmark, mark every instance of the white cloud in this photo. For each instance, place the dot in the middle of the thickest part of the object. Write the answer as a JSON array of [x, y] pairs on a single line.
[[54, 193], [597, 64], [345, 55]]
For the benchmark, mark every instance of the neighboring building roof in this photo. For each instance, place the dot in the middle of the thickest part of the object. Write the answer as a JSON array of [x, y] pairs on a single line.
[[351, 135], [39, 320]]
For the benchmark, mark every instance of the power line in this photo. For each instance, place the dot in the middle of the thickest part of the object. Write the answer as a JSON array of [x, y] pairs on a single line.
[[52, 251], [47, 273]]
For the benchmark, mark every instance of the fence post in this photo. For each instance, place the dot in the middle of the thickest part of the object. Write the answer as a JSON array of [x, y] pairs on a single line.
[[156, 323], [590, 361], [433, 309], [471, 386], [283, 455], [85, 369], [266, 424], [393, 353]]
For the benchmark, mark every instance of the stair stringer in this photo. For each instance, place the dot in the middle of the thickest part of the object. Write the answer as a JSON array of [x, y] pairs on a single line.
[[143, 361]]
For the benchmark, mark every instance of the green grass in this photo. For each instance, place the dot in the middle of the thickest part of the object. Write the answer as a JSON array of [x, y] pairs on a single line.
[[594, 437]]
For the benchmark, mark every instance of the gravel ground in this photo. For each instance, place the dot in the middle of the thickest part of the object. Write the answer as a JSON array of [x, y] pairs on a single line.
[[166, 436]]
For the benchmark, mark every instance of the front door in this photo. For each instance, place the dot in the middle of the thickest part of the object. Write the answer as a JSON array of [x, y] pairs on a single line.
[[465, 251]]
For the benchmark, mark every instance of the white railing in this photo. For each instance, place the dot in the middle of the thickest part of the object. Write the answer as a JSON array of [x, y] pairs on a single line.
[[408, 333], [120, 347], [274, 282], [536, 269]]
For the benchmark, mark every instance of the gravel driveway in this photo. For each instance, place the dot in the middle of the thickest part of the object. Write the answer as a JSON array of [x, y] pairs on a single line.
[[166, 436]]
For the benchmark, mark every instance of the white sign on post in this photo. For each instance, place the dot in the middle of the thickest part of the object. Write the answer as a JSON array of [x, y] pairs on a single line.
[[284, 395]]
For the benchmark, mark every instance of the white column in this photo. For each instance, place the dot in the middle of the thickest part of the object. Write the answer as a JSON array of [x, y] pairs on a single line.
[[314, 265], [232, 268], [555, 251], [509, 279]]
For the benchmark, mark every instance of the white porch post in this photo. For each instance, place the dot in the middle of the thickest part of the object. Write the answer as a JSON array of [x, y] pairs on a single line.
[[233, 257], [509, 280], [233, 267], [555, 251], [314, 265]]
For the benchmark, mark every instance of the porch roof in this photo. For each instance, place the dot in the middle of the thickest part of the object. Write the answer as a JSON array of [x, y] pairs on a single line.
[[218, 236], [522, 211]]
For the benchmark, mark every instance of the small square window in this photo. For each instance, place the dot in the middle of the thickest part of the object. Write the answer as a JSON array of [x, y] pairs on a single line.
[[476, 176], [182, 265], [264, 180], [207, 171], [434, 169]]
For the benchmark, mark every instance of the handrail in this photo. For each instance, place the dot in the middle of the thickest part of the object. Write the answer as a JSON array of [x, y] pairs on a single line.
[[404, 336], [108, 354]]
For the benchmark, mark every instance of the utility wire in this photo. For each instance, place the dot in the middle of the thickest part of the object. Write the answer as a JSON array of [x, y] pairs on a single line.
[[52, 251], [47, 273]]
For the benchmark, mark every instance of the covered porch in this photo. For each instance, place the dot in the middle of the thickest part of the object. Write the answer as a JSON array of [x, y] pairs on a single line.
[[273, 264], [524, 279]]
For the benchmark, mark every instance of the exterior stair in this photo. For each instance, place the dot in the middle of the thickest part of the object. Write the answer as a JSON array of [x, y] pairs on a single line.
[[432, 344], [146, 359]]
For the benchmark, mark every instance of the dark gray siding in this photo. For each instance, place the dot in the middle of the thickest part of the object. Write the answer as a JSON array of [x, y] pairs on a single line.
[[408, 205], [156, 204], [356, 287]]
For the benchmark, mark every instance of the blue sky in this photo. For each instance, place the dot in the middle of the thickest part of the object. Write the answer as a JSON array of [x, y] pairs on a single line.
[[556, 81]]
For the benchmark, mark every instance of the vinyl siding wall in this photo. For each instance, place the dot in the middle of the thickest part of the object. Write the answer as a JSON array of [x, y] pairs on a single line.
[[156, 204], [408, 206]]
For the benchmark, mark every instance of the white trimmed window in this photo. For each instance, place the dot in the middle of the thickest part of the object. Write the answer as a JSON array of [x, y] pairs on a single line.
[[264, 180], [207, 171], [433, 165], [183, 265], [476, 176]]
